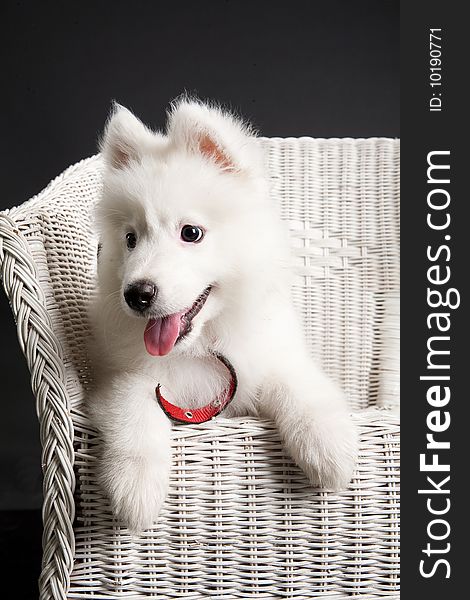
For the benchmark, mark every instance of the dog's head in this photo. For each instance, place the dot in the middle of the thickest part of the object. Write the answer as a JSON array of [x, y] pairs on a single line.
[[184, 221]]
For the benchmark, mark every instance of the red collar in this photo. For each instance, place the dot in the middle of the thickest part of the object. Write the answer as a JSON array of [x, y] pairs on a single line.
[[207, 412]]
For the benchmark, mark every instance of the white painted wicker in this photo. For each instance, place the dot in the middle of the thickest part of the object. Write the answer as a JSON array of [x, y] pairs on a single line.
[[241, 520]]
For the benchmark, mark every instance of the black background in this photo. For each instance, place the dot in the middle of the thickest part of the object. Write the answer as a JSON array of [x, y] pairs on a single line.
[[297, 68]]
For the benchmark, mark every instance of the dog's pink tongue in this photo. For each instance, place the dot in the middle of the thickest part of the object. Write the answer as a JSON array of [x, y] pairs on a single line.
[[161, 334]]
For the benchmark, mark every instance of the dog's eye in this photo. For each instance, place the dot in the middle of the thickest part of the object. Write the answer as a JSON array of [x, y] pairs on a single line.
[[131, 240], [191, 233]]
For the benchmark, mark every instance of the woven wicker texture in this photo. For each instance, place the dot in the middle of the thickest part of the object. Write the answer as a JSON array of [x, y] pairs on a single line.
[[241, 520]]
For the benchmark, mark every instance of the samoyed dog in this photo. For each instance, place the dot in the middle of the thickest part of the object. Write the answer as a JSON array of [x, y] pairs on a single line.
[[193, 261]]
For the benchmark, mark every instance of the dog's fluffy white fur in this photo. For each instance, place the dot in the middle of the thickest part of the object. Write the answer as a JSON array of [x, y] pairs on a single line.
[[206, 170]]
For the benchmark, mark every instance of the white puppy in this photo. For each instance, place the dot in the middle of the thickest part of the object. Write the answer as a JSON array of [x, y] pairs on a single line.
[[185, 217]]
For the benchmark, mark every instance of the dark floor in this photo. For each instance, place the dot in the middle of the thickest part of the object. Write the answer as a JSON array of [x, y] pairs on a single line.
[[20, 553]]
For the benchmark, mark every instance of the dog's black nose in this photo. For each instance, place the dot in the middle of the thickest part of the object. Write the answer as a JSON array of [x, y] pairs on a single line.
[[139, 295]]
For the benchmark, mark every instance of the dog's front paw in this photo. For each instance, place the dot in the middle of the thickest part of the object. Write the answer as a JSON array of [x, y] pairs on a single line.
[[137, 487], [326, 449]]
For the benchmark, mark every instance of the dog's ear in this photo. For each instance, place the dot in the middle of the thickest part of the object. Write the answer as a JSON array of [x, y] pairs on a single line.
[[214, 133], [125, 138]]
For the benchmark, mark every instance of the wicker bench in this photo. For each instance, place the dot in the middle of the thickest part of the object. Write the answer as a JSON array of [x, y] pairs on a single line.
[[241, 520]]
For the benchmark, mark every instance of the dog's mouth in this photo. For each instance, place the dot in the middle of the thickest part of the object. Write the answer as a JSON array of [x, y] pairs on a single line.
[[161, 334]]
